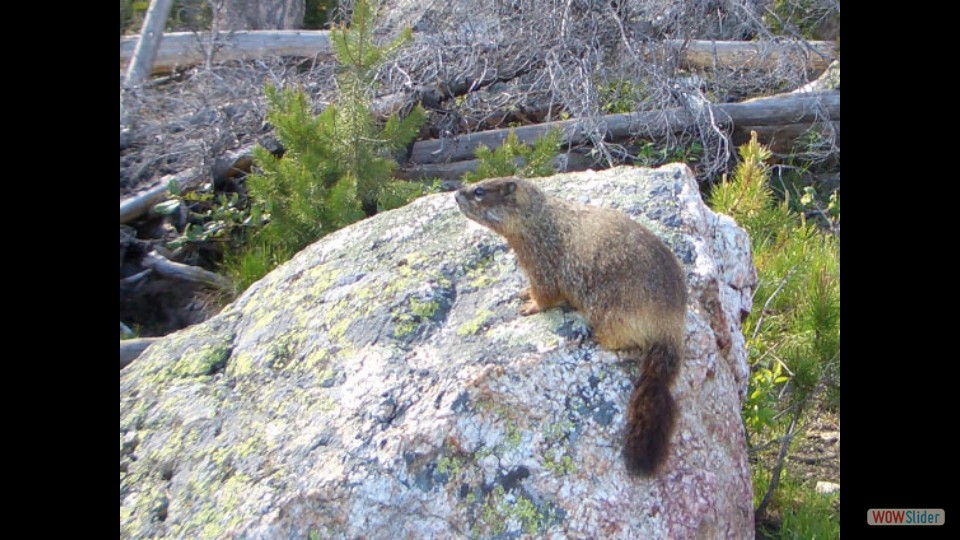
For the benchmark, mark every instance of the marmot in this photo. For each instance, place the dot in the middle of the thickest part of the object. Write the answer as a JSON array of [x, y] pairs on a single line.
[[624, 279]]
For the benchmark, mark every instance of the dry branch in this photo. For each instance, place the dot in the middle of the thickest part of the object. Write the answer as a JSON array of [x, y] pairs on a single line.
[[183, 49], [166, 267], [783, 109]]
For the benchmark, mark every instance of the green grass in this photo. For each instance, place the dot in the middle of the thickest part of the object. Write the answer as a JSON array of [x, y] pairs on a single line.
[[244, 267], [803, 514], [793, 337]]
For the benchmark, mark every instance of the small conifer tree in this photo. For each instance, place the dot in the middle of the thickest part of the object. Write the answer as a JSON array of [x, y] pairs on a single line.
[[336, 168]]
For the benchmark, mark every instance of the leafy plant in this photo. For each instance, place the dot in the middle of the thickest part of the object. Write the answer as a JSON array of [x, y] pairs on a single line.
[[203, 216], [810, 19], [514, 158], [650, 155], [794, 330], [620, 96]]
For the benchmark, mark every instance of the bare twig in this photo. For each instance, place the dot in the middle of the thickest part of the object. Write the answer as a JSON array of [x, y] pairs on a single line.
[[778, 468], [798, 409], [129, 280], [166, 267], [763, 310]]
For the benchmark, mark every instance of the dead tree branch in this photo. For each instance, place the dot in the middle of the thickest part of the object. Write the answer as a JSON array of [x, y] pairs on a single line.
[[165, 267], [148, 42]]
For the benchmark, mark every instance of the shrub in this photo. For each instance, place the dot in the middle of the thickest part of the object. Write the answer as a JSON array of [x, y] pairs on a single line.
[[793, 333], [514, 158], [336, 168]]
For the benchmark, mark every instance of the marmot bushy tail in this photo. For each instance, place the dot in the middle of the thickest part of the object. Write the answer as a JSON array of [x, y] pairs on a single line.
[[625, 280], [652, 412]]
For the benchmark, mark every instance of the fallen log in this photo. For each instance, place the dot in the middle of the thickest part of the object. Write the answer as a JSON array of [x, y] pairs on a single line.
[[229, 167], [781, 140], [781, 109], [817, 55], [184, 49], [448, 159], [453, 172]]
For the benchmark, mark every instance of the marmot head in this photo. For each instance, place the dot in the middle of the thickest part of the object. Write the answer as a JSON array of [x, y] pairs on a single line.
[[499, 203]]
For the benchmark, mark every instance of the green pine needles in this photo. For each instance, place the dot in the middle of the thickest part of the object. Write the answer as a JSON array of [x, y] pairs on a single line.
[[514, 158], [793, 333], [337, 166]]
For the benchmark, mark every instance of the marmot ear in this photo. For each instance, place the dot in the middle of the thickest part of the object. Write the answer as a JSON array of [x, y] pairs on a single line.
[[509, 188]]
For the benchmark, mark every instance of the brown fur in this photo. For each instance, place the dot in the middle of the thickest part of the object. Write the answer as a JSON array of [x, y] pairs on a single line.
[[626, 282]]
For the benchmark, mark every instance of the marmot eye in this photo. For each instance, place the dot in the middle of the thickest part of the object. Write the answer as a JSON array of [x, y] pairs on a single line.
[[479, 192]]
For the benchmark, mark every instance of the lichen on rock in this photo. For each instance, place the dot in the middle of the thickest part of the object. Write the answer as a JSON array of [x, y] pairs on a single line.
[[382, 384]]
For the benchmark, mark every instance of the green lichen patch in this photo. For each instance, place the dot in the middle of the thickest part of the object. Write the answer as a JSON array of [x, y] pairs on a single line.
[[242, 364], [337, 319], [424, 309], [542, 331], [558, 464], [482, 275], [471, 327], [449, 466], [418, 312], [513, 512], [557, 455], [281, 352], [405, 325], [201, 361], [513, 437], [323, 276], [318, 360], [218, 513], [558, 430], [262, 318], [325, 404]]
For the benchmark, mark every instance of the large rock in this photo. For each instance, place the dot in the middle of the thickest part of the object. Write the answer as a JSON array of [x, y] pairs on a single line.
[[382, 385]]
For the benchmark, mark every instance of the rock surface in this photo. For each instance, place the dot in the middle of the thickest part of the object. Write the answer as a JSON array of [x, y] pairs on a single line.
[[381, 384]]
